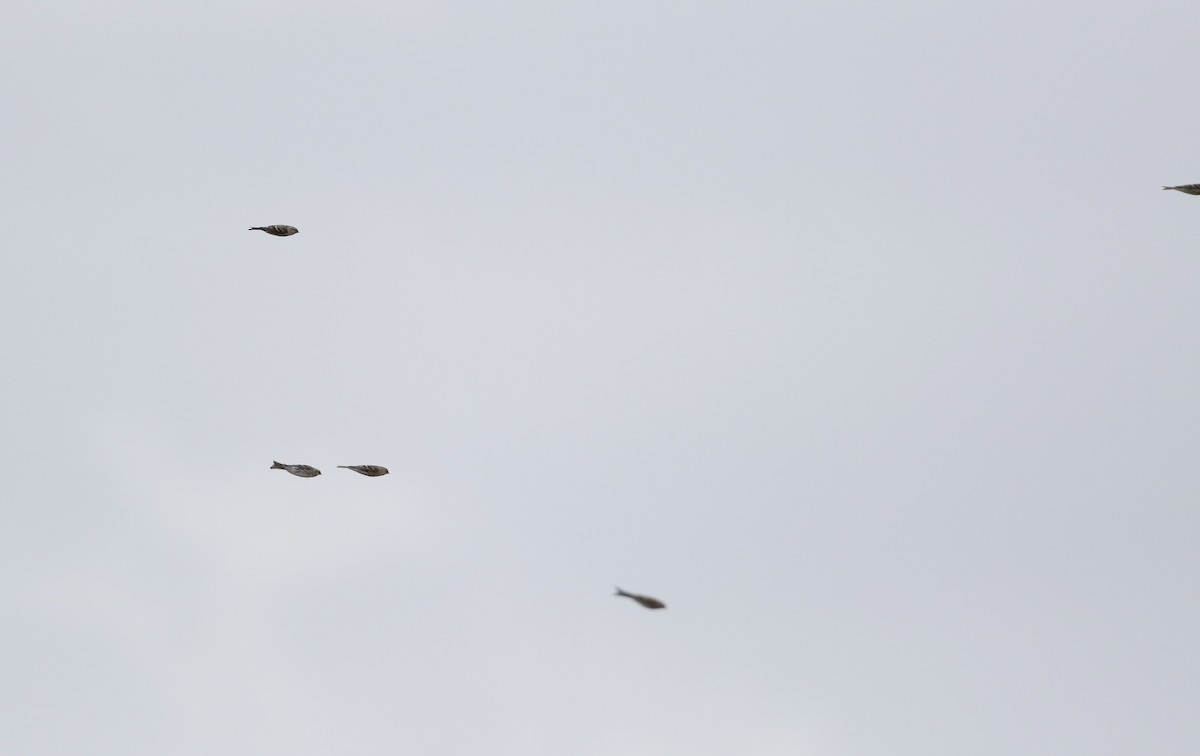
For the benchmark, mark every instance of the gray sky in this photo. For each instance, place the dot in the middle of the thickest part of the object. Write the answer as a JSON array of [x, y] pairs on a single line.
[[861, 334]]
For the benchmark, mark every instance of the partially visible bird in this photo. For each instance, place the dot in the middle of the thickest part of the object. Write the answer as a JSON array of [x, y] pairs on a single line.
[[646, 601], [371, 471], [1186, 188], [303, 471], [277, 230]]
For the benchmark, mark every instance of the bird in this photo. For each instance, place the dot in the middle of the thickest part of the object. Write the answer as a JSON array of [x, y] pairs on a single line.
[[277, 230], [1186, 188], [371, 471], [302, 471], [646, 601]]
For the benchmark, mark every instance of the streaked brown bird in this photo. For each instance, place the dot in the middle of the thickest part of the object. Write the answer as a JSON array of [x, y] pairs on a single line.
[[371, 471], [302, 471], [277, 230], [646, 601], [1185, 188]]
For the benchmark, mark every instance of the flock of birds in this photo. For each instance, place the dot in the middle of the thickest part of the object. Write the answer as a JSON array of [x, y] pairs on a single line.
[[308, 471], [376, 471]]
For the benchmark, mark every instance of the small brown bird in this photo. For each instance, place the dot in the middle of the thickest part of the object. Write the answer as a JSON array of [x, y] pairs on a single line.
[[277, 230], [1185, 188], [646, 601], [371, 471], [302, 471]]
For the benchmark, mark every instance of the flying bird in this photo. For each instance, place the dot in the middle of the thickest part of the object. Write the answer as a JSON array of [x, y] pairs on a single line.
[[277, 230], [371, 471], [1186, 188], [646, 601], [302, 471]]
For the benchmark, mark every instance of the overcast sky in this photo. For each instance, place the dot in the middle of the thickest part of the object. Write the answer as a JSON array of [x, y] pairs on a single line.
[[860, 333]]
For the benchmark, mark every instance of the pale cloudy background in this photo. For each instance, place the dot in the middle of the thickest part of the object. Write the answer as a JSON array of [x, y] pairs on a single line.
[[861, 333]]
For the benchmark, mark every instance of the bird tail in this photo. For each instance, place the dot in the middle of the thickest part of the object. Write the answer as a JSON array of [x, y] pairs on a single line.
[[1168, 187], [620, 592], [343, 467], [275, 465], [260, 228]]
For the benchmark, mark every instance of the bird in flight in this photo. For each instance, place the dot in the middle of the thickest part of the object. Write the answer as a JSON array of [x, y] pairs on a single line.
[[646, 601], [1186, 188], [277, 230], [371, 471], [302, 471]]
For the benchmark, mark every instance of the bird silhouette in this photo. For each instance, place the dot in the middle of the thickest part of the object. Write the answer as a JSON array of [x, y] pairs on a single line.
[[277, 230], [302, 471], [646, 601], [371, 471]]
